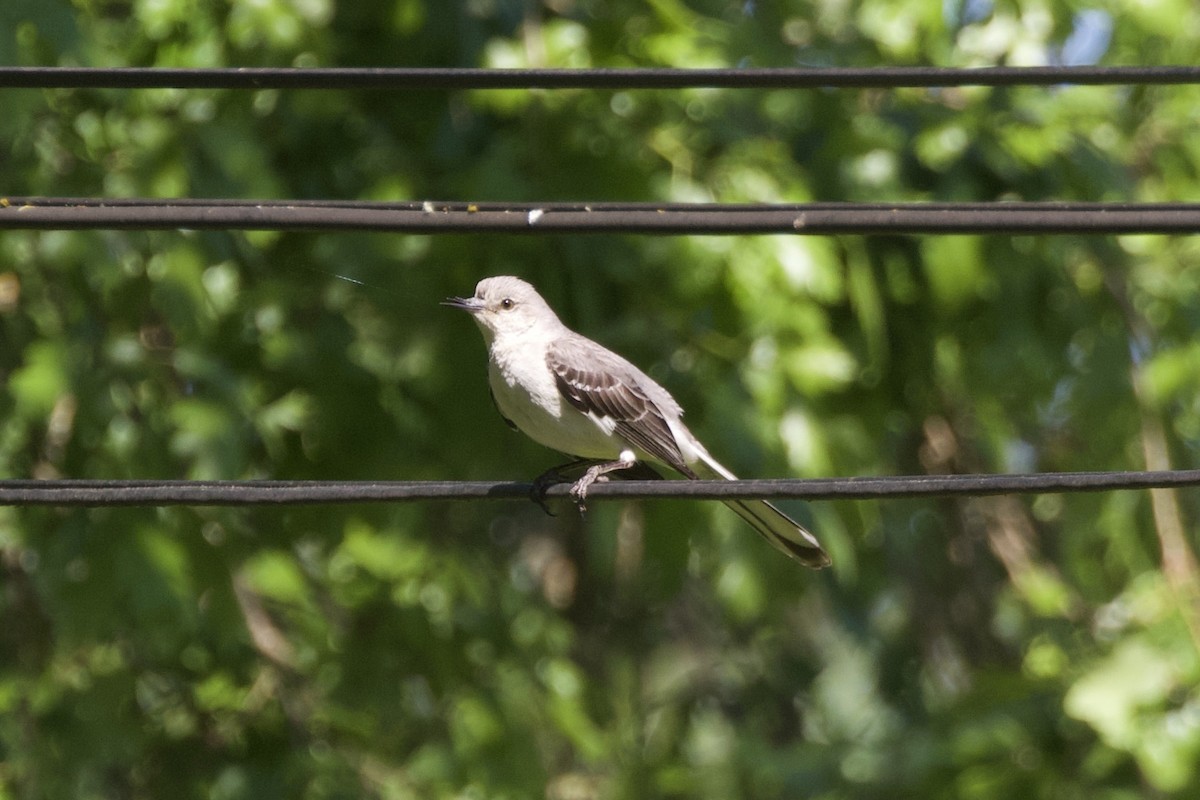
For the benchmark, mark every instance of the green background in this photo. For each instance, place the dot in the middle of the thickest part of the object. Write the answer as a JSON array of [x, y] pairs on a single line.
[[996, 647]]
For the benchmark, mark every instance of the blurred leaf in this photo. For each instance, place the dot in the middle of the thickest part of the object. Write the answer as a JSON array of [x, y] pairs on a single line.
[[453, 649]]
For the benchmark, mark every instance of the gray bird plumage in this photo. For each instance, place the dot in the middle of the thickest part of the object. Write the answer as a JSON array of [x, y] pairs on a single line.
[[573, 395]]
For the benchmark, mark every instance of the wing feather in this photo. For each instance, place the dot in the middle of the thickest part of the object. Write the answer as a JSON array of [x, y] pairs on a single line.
[[601, 384]]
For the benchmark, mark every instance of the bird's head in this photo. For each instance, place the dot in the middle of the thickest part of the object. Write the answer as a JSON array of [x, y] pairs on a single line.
[[505, 305]]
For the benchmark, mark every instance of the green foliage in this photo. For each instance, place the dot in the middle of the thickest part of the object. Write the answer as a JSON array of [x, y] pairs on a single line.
[[982, 648]]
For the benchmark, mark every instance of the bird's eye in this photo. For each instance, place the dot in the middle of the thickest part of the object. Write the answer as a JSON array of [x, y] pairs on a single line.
[[507, 303]]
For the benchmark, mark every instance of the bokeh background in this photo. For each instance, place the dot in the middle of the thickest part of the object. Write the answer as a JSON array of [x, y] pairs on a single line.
[[1035, 646]]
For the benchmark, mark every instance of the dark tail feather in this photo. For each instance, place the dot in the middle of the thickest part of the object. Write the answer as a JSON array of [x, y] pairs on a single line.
[[783, 532]]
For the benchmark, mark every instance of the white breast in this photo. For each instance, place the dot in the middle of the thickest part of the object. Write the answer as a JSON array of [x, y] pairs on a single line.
[[526, 394]]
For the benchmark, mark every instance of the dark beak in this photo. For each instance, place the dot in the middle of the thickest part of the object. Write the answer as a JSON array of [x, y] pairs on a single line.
[[472, 304]]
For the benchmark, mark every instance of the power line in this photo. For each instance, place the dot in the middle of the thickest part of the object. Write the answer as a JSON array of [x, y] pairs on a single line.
[[648, 218], [95, 493], [602, 78], [442, 217]]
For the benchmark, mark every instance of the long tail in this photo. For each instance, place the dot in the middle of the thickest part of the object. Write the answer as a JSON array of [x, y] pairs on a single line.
[[784, 533]]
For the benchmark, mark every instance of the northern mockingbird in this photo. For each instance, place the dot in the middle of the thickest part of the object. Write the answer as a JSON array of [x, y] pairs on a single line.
[[572, 395]]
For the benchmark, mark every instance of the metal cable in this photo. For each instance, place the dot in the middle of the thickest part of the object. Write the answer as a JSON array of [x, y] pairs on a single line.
[[817, 218], [647, 218], [602, 78], [96, 493]]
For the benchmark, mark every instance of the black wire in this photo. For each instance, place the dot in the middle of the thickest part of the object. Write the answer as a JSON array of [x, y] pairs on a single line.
[[61, 213], [246, 493], [452, 78], [675, 218]]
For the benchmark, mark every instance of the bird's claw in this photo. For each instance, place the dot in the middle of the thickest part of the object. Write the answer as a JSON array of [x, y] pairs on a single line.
[[579, 489], [553, 477], [541, 485], [540, 499], [596, 471]]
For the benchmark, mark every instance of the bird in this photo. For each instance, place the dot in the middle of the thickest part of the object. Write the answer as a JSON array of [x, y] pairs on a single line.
[[573, 395]]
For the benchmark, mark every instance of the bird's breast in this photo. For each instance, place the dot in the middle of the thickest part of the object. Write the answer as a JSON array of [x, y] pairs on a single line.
[[527, 395]]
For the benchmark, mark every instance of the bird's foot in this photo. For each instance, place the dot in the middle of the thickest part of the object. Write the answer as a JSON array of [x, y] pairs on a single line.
[[541, 485], [596, 472], [553, 477], [579, 488]]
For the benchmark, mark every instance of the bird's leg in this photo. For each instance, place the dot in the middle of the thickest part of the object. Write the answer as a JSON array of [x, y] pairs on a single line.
[[597, 472], [555, 475], [633, 470]]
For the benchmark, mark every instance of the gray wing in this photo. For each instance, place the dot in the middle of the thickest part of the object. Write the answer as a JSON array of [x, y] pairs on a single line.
[[600, 383]]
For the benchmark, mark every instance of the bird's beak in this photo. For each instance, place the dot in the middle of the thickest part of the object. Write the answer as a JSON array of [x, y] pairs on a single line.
[[471, 304]]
